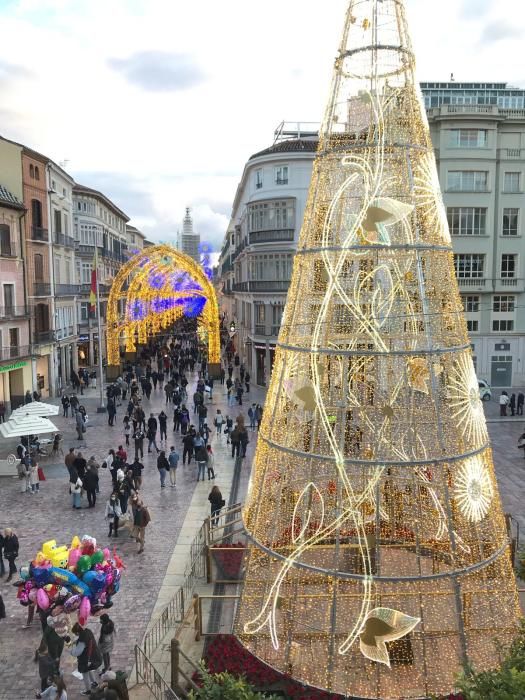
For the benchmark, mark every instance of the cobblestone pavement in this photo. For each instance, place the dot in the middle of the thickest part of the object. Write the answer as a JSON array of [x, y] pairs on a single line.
[[49, 515]]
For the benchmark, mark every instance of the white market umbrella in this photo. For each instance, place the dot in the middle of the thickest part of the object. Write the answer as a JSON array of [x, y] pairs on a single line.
[[27, 425], [36, 408]]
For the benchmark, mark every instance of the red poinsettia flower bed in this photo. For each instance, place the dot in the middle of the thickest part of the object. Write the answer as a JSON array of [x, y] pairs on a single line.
[[226, 653], [228, 558]]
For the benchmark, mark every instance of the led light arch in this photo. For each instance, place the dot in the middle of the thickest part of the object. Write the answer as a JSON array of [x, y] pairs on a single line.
[[159, 285]]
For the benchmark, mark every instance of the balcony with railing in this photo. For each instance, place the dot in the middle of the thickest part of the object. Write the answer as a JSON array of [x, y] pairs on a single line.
[[262, 286], [471, 282], [8, 313], [272, 236], [14, 351], [42, 337], [42, 289], [514, 283], [85, 289], [67, 290], [64, 240], [39, 234]]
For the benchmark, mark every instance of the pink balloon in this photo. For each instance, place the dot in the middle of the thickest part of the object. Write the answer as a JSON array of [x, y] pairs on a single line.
[[107, 553], [23, 598], [84, 610], [74, 556], [42, 599], [109, 579], [32, 594]]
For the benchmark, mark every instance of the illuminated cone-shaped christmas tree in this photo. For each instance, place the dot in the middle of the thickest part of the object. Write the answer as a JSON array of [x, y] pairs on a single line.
[[379, 561]]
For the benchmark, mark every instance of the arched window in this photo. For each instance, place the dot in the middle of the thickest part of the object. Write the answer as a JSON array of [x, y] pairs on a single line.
[[39, 267], [37, 173], [32, 170], [5, 239]]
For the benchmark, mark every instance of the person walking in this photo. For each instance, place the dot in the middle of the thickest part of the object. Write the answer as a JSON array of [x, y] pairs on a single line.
[[112, 411], [141, 519], [24, 474], [247, 382], [163, 466], [46, 665], [512, 404], [90, 483], [235, 439], [258, 415], [210, 463], [53, 641], [240, 392], [217, 503], [218, 423], [34, 478], [201, 457], [127, 429], [152, 433], [244, 440], [521, 400], [106, 640], [503, 403], [163, 426], [184, 419], [251, 416], [79, 425], [2, 565], [88, 656], [173, 459], [187, 442], [137, 468], [10, 551], [76, 492], [138, 437], [112, 515], [65, 406]]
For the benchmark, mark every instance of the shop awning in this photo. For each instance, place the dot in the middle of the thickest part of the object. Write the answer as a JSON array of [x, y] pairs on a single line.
[[36, 408], [27, 425]]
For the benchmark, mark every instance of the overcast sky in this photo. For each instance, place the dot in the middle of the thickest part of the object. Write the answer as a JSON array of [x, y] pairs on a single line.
[[159, 103]]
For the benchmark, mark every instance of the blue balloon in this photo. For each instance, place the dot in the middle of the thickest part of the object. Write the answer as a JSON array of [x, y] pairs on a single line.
[[41, 575], [69, 580], [96, 580]]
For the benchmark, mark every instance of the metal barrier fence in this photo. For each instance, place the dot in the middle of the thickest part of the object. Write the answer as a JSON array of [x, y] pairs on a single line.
[[172, 615], [148, 674]]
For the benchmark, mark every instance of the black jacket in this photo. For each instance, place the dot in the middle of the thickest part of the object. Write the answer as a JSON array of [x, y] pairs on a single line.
[[11, 547], [90, 481], [162, 463]]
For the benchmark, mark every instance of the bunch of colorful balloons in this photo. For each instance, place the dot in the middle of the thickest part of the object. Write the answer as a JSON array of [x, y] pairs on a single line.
[[81, 578]]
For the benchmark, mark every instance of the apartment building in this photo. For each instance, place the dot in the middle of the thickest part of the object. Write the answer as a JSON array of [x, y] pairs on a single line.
[[16, 374], [478, 131], [256, 259], [63, 288], [98, 225]]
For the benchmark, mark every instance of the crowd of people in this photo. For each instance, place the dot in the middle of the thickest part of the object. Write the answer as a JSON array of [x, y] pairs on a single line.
[[183, 434]]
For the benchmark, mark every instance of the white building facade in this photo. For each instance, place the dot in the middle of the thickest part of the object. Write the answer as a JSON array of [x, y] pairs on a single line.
[[63, 286], [256, 259], [478, 131]]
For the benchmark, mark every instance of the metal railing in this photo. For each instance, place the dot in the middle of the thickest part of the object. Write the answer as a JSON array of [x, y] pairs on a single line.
[[44, 337], [148, 674], [12, 351], [471, 282], [64, 240], [66, 290], [42, 289], [8, 312], [39, 234], [272, 236], [262, 286], [172, 615]]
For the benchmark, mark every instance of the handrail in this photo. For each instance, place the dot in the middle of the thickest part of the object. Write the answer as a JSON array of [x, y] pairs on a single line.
[[148, 674]]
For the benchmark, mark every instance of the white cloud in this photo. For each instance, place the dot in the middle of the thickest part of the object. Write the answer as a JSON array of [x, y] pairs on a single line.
[[262, 62]]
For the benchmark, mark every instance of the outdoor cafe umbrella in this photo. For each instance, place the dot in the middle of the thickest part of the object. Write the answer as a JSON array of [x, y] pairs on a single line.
[[26, 425], [36, 408]]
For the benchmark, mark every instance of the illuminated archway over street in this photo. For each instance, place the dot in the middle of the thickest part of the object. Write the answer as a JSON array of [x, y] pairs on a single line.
[[152, 291]]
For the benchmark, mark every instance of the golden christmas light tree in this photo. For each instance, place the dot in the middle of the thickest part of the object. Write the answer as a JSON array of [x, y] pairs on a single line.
[[379, 560]]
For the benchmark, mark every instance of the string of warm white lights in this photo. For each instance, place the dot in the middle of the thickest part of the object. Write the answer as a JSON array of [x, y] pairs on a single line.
[[372, 509]]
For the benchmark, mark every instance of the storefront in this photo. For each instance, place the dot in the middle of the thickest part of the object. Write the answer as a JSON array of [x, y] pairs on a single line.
[[42, 375], [87, 350], [15, 380], [264, 359]]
